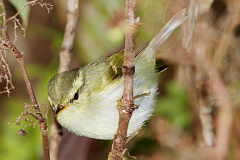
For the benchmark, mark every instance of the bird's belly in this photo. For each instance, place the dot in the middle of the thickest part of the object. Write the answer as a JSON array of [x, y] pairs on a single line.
[[99, 120]]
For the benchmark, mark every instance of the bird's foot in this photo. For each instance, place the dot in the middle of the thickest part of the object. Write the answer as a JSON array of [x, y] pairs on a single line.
[[142, 95]]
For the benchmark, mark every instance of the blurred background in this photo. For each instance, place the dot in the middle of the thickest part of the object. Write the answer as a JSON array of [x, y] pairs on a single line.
[[174, 131]]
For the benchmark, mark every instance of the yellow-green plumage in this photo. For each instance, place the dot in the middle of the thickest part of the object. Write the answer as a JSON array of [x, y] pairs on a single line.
[[85, 99]]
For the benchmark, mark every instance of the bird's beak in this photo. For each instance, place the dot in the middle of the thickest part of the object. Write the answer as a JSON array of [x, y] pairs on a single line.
[[60, 108]]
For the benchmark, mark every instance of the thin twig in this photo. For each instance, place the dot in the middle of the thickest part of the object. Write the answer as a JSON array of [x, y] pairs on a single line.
[[5, 73], [42, 121], [224, 117], [64, 65], [199, 79], [226, 38], [6, 43], [126, 102], [69, 34], [30, 3], [204, 48]]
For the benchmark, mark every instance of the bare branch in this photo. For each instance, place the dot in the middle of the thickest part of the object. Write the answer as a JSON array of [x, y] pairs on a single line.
[[5, 74], [48, 6], [7, 44], [64, 65], [16, 21], [26, 116], [198, 76], [126, 103], [42, 121], [69, 34], [209, 82]]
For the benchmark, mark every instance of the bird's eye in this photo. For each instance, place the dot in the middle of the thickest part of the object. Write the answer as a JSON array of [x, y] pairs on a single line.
[[76, 96]]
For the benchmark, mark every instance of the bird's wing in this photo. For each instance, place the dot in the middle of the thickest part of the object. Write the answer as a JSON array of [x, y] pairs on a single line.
[[116, 62]]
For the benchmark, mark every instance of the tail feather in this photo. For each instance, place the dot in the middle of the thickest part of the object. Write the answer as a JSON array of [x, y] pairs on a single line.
[[167, 30]]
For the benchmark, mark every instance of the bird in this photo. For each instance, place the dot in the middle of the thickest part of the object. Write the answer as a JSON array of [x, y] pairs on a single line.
[[84, 99]]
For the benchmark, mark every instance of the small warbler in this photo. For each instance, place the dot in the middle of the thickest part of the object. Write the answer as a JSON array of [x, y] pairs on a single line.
[[85, 99]]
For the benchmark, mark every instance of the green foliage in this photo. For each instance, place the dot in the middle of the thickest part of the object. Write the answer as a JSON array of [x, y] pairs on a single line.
[[19, 4], [173, 106]]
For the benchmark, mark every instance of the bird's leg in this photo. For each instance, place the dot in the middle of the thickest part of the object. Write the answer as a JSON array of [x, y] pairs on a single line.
[[132, 135], [142, 95], [119, 103], [128, 155], [128, 140]]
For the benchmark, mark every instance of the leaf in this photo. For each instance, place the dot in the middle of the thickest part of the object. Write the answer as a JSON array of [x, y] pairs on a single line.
[[18, 4]]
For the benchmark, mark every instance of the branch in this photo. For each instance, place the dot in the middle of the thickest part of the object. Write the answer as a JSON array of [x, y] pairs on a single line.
[[42, 121], [224, 116], [6, 44], [19, 57], [64, 65], [126, 103], [5, 74], [69, 34], [208, 71], [30, 3]]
